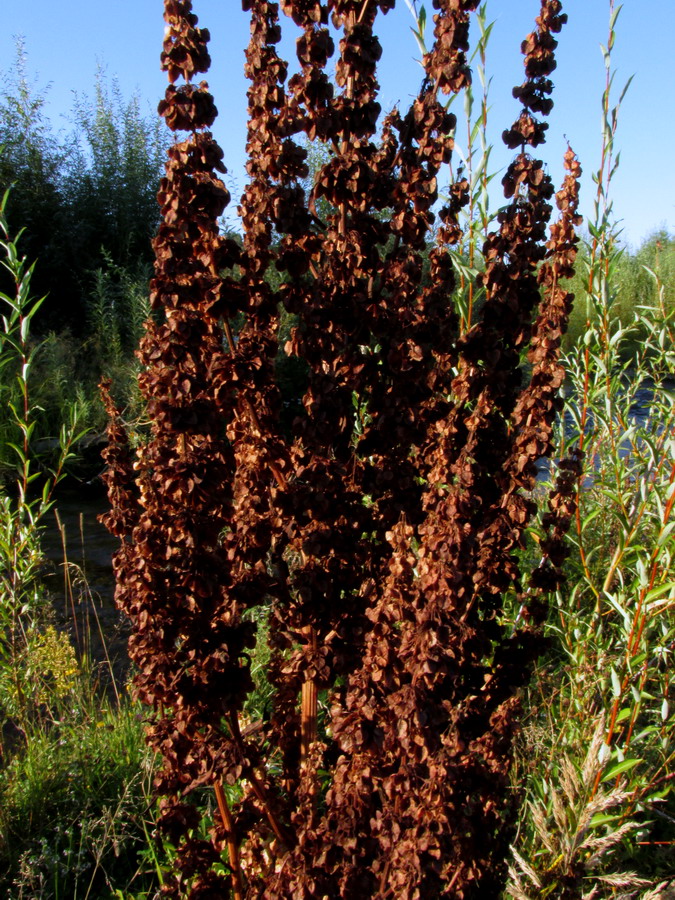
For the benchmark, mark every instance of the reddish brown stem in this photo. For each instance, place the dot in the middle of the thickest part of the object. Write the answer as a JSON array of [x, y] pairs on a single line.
[[308, 726], [232, 848], [228, 336], [277, 828], [364, 9]]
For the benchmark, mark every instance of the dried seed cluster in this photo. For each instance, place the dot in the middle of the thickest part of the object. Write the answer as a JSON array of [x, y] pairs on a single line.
[[378, 537]]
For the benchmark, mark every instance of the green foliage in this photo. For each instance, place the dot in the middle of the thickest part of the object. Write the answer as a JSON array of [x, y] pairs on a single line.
[[88, 205], [593, 816], [22, 508], [597, 753], [74, 807], [87, 200], [637, 279], [21, 516], [112, 184], [117, 308], [45, 669], [31, 162]]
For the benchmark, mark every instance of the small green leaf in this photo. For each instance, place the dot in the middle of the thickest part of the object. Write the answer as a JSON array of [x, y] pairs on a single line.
[[659, 590], [602, 819], [665, 534], [614, 17], [620, 768], [616, 683]]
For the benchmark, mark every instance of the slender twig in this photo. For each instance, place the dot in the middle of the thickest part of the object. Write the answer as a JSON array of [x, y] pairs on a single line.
[[232, 848], [364, 9], [279, 831], [310, 708]]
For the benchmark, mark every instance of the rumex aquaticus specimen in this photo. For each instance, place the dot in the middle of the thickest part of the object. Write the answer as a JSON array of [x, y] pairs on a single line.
[[381, 534]]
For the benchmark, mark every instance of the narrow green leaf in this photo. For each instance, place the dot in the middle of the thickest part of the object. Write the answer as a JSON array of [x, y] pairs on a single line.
[[615, 15], [660, 590], [625, 89], [19, 452], [616, 683], [620, 768], [602, 819], [665, 534]]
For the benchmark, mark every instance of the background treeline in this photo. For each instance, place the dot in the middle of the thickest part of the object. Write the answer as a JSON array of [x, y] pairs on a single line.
[[638, 272], [86, 200]]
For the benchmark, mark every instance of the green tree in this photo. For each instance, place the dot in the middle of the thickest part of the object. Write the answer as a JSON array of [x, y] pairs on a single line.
[[111, 186], [86, 200], [31, 163]]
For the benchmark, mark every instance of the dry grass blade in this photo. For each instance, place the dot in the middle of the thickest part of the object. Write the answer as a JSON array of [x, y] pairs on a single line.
[[591, 763], [538, 817], [665, 890], [526, 868], [602, 844], [516, 890], [624, 880]]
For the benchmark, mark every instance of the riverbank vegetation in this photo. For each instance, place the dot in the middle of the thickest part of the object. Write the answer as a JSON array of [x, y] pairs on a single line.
[[591, 781]]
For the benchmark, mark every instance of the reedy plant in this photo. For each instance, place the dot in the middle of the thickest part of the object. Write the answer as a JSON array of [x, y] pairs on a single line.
[[475, 216], [599, 749], [21, 514], [472, 177], [117, 310]]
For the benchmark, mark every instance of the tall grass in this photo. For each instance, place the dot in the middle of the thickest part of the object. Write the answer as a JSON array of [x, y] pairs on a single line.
[[75, 806]]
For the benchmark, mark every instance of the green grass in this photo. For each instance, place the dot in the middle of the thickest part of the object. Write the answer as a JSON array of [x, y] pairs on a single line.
[[75, 809]]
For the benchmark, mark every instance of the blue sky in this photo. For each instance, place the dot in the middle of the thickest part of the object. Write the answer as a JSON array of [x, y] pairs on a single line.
[[66, 41]]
